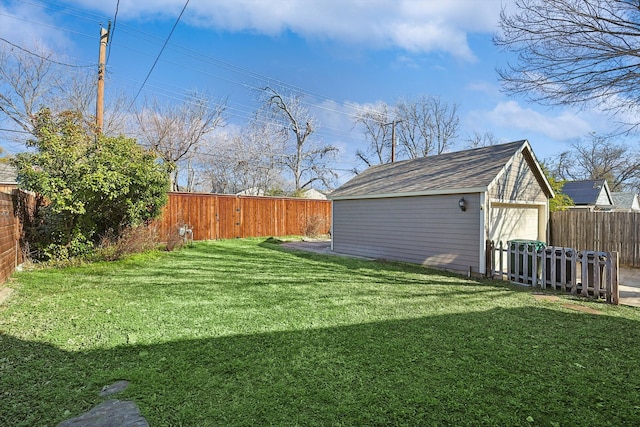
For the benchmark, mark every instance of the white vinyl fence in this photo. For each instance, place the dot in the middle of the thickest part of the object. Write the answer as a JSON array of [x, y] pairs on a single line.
[[585, 273]]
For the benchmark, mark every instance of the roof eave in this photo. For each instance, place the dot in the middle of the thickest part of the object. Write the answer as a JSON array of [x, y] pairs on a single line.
[[451, 191]]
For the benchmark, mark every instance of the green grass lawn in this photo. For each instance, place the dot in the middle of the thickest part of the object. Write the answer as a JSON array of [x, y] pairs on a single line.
[[241, 332]]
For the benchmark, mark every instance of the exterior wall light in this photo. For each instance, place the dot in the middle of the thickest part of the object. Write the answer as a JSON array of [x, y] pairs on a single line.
[[463, 204]]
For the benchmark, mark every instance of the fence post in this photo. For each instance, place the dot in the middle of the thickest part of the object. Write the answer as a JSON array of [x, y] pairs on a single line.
[[574, 271], [525, 264], [563, 265], [553, 268], [510, 266], [534, 267], [489, 259], [543, 260], [597, 277], [585, 274], [615, 291], [502, 252]]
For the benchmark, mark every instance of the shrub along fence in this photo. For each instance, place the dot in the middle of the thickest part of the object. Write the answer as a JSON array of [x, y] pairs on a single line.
[[599, 231], [200, 216], [217, 216]]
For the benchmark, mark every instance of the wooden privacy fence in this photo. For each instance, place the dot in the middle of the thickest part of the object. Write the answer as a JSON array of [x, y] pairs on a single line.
[[217, 216], [585, 273], [599, 231], [10, 251]]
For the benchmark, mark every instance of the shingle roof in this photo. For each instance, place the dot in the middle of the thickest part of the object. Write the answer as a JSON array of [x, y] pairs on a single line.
[[461, 170], [8, 173], [624, 200], [584, 192]]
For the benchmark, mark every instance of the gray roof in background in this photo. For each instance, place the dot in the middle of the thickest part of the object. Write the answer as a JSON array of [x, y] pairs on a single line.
[[584, 192], [8, 173], [623, 200], [460, 170]]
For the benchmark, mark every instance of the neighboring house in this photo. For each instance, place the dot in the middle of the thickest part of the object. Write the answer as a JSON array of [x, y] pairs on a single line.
[[592, 194], [313, 194], [439, 211], [253, 191], [8, 177], [626, 201]]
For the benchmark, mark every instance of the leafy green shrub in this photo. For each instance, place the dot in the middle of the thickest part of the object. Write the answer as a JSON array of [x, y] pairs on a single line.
[[92, 185]]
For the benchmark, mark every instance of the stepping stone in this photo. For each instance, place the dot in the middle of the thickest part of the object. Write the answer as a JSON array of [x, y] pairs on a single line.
[[581, 308], [114, 388], [112, 413]]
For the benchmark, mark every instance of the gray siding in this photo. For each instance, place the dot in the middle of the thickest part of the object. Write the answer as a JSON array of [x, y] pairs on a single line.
[[427, 230], [518, 183]]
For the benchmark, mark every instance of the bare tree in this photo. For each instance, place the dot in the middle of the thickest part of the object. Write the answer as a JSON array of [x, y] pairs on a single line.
[[245, 160], [598, 157], [77, 92], [427, 125], [478, 139], [176, 132], [375, 123], [27, 82], [572, 52], [307, 161], [31, 80]]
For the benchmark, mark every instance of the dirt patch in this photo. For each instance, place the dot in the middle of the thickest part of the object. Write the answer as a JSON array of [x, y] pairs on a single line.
[[581, 308], [4, 294], [540, 297]]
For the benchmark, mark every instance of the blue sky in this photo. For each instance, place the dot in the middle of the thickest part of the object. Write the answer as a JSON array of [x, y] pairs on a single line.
[[340, 54]]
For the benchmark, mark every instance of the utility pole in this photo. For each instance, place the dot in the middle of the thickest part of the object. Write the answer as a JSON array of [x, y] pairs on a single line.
[[393, 138], [104, 38]]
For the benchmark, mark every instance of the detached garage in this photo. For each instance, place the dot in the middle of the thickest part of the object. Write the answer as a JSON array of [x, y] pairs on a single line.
[[439, 211]]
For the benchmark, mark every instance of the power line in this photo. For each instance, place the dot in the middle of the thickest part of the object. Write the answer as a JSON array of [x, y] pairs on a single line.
[[256, 79], [238, 70], [264, 79], [160, 53], [113, 30], [14, 131], [44, 57]]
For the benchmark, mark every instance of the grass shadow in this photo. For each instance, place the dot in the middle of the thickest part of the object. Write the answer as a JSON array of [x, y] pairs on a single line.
[[494, 367]]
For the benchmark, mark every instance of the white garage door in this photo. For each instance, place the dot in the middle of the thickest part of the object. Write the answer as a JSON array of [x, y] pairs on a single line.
[[509, 222]]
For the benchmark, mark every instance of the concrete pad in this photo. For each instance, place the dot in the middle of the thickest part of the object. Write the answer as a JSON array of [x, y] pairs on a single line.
[[629, 286], [323, 247], [318, 247]]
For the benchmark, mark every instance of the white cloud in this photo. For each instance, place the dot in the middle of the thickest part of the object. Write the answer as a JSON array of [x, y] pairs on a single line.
[[415, 26], [511, 115], [19, 23], [484, 87]]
